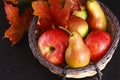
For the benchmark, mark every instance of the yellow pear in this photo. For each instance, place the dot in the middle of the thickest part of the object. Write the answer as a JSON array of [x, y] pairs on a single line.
[[77, 54], [97, 19]]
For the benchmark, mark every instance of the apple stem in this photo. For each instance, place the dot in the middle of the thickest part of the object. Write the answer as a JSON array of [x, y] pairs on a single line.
[[65, 30]]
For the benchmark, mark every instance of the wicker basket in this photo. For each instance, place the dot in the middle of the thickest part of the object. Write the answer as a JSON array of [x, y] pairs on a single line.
[[114, 30]]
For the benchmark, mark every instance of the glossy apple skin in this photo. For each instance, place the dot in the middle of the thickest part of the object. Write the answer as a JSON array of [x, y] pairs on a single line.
[[52, 45], [98, 42]]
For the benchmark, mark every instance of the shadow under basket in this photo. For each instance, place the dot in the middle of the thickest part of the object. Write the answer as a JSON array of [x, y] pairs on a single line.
[[90, 70]]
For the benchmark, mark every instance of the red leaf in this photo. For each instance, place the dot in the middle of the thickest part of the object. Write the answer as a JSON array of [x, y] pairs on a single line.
[[60, 15], [43, 24], [19, 24], [41, 9], [54, 12]]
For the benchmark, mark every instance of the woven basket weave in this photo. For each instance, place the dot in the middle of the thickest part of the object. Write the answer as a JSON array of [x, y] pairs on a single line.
[[114, 30]]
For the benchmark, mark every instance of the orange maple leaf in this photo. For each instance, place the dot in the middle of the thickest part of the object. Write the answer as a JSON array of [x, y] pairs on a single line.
[[55, 12], [41, 9], [60, 15], [19, 23]]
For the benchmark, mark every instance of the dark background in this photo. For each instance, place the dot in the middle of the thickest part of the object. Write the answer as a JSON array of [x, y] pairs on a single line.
[[18, 62]]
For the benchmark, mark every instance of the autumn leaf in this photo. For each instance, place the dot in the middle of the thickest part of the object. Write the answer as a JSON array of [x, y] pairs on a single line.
[[55, 12], [60, 15], [19, 23], [42, 25], [41, 9]]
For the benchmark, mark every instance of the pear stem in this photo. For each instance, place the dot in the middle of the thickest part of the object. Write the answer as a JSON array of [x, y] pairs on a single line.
[[66, 30]]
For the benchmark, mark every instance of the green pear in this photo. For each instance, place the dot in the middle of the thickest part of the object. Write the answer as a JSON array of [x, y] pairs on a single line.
[[97, 18], [78, 24], [82, 14], [77, 54]]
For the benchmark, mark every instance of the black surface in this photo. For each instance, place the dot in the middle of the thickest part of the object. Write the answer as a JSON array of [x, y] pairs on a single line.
[[18, 62]]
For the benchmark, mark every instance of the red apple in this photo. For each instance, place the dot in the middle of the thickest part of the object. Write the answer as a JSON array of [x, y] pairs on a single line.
[[98, 42], [52, 45]]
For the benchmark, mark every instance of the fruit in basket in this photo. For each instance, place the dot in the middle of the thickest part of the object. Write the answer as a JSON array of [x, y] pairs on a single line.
[[77, 54], [97, 18], [78, 24], [81, 13], [98, 42], [52, 45], [57, 47]]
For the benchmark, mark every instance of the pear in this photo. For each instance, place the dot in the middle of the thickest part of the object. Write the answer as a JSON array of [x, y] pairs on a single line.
[[97, 18], [78, 24], [81, 13], [77, 54]]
